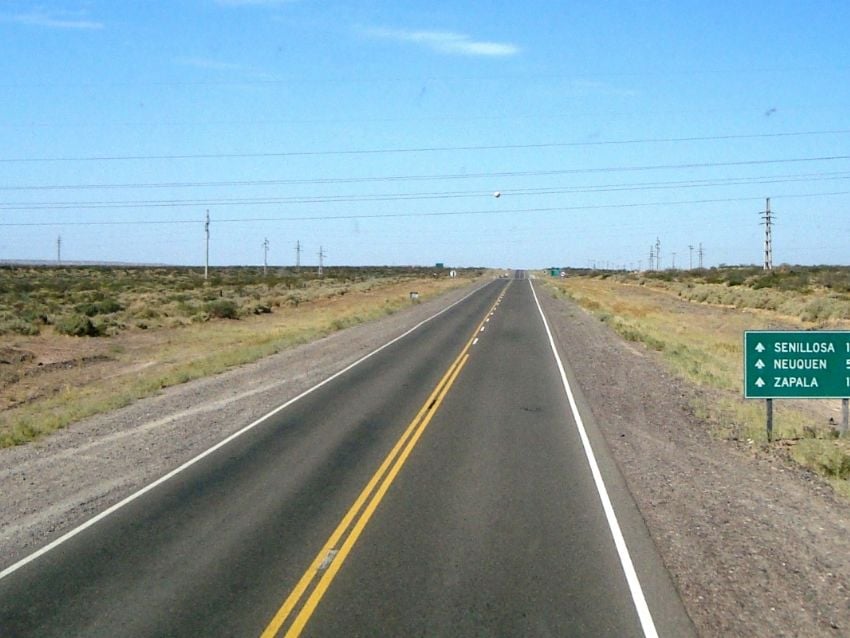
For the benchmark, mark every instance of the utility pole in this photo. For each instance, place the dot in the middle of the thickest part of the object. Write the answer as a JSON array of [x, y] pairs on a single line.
[[298, 255], [768, 239], [207, 260], [674, 260], [59, 249], [700, 253], [651, 258], [266, 256], [690, 257], [657, 253], [321, 261]]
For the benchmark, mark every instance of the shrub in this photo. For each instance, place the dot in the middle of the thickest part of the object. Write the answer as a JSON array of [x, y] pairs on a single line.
[[108, 306], [736, 278], [223, 309], [87, 309], [19, 326], [77, 326], [104, 307]]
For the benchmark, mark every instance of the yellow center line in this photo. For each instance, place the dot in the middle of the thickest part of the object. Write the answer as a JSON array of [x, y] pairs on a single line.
[[310, 606], [328, 564]]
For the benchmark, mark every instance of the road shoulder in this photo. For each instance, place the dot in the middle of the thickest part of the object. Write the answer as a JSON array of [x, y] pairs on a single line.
[[754, 546]]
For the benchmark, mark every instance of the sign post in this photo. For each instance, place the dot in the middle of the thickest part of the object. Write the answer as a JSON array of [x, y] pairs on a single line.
[[795, 364]]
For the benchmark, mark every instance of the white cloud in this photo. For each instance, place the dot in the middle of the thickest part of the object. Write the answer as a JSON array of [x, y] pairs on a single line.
[[53, 21], [447, 42]]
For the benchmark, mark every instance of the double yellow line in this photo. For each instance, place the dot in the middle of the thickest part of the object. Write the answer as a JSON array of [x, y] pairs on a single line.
[[330, 558]]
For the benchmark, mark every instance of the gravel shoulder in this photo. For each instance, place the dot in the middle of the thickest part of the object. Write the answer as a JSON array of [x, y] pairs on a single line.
[[755, 546]]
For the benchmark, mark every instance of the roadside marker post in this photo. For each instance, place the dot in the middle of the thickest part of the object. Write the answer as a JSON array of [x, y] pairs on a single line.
[[768, 405], [797, 364]]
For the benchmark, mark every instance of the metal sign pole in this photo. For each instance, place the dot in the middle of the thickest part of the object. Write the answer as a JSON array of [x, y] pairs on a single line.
[[845, 409], [769, 406]]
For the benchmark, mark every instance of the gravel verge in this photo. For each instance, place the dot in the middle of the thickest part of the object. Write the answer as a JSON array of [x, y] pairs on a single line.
[[755, 545]]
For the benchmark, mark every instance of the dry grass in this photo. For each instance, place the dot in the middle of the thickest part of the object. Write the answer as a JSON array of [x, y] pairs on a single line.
[[702, 343], [61, 379]]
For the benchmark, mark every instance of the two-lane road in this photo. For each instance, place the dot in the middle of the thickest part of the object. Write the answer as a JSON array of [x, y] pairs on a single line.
[[440, 487]]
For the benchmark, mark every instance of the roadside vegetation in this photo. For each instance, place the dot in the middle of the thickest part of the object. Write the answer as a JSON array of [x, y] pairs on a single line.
[[105, 301], [79, 341], [696, 319]]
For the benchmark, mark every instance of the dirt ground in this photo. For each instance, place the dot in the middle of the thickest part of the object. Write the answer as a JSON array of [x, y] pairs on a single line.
[[755, 546]]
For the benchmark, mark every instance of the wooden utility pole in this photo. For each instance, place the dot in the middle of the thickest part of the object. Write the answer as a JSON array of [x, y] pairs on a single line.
[[207, 259]]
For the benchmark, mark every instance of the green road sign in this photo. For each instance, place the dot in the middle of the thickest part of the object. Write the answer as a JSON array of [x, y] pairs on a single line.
[[793, 364]]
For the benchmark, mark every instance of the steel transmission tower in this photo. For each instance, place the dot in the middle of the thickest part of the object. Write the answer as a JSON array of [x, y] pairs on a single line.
[[768, 236]]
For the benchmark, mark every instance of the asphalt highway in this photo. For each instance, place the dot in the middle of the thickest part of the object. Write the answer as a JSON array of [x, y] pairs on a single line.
[[441, 487]]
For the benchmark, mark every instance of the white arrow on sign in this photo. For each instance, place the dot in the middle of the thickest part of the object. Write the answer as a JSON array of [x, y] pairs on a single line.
[[760, 364], [760, 347], [759, 382]]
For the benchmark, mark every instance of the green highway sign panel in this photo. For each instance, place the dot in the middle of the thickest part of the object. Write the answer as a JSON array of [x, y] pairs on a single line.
[[795, 364]]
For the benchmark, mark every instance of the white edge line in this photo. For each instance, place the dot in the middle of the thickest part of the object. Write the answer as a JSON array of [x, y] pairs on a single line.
[[129, 499], [645, 616]]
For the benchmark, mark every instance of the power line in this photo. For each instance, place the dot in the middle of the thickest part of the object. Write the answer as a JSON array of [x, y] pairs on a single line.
[[422, 149], [692, 183], [555, 209], [526, 115], [376, 197]]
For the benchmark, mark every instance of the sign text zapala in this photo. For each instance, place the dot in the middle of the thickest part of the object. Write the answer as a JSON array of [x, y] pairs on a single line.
[[796, 364]]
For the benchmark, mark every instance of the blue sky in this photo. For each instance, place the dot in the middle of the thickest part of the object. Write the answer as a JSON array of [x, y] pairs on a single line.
[[381, 130]]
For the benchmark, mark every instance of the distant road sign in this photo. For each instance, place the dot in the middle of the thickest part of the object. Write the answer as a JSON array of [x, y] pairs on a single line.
[[795, 364]]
